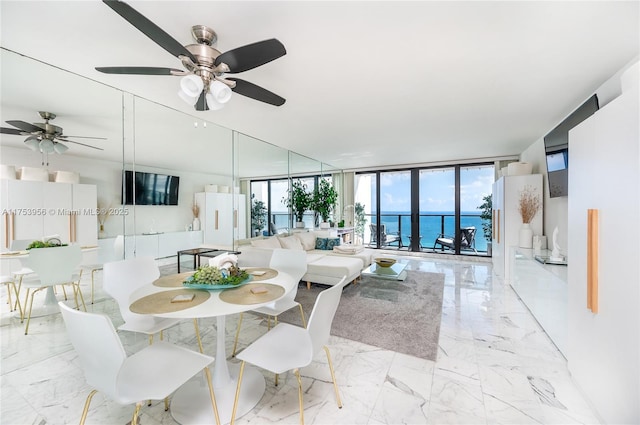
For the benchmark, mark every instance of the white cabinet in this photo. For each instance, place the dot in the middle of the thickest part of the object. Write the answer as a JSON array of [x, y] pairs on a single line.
[[22, 210], [222, 217], [33, 209], [543, 289], [604, 174], [84, 204], [506, 218], [157, 245]]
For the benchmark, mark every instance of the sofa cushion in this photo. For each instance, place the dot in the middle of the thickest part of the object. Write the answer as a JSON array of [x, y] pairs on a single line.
[[330, 269], [272, 243], [321, 243], [307, 239], [291, 242], [331, 242]]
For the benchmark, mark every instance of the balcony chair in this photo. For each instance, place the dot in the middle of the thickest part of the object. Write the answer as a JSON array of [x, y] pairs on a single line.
[[152, 373], [51, 267], [467, 240], [386, 239], [290, 261], [288, 347]]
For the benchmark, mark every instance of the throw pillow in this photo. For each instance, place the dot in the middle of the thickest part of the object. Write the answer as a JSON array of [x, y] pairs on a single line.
[[291, 242], [272, 243], [331, 242], [307, 239], [321, 243]]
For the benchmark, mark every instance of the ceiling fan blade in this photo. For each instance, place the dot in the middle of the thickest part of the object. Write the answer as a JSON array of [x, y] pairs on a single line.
[[201, 104], [253, 91], [252, 55], [78, 143], [12, 131], [25, 126], [150, 29], [64, 138], [138, 70]]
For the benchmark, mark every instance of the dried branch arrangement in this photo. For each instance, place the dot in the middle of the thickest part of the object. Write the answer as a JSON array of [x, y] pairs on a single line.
[[195, 209], [529, 203], [103, 213]]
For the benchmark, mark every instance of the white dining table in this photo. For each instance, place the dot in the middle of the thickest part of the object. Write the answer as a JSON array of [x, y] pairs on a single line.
[[50, 304], [191, 403]]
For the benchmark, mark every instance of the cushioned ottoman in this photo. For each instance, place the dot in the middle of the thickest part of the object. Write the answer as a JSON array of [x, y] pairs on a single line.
[[329, 269]]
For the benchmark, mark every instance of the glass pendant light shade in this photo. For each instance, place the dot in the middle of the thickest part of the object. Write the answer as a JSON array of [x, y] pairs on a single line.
[[46, 146], [60, 148], [220, 91], [189, 100], [212, 103], [191, 85], [32, 143]]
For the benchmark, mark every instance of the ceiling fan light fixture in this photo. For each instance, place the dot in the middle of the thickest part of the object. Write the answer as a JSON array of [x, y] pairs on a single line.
[[60, 148], [189, 100], [212, 103], [220, 91], [191, 85], [46, 146], [32, 143]]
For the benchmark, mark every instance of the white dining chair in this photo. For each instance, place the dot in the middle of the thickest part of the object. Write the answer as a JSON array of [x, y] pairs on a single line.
[[120, 279], [93, 268], [14, 278], [289, 347], [152, 373], [10, 282], [51, 266], [293, 262]]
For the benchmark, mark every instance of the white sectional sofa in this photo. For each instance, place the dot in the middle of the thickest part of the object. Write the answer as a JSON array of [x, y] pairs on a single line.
[[326, 261]]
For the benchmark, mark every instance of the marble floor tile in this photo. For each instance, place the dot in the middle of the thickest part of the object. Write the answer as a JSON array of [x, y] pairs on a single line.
[[495, 365]]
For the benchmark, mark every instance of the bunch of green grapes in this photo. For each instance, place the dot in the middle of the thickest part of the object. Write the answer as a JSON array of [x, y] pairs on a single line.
[[207, 275]]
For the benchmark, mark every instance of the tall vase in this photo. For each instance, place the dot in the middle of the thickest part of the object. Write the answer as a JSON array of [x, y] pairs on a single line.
[[526, 236], [102, 234], [196, 224]]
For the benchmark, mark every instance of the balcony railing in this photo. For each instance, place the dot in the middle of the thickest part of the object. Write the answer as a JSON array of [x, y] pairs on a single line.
[[431, 226]]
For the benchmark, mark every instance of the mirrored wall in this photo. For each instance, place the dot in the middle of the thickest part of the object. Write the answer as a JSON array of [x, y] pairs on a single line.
[[161, 176]]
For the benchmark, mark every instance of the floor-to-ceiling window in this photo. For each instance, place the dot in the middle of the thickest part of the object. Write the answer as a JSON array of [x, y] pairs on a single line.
[[475, 184], [272, 193], [414, 207], [365, 206], [395, 208], [437, 204]]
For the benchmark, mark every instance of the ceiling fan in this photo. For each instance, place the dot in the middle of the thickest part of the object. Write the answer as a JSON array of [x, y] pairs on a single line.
[[44, 137], [204, 83]]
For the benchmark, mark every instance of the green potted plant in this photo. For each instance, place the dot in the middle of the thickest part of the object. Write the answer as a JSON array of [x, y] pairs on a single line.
[[486, 211], [324, 201], [299, 200], [258, 215]]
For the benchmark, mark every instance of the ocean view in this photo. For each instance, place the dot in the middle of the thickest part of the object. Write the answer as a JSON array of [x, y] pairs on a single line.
[[432, 224]]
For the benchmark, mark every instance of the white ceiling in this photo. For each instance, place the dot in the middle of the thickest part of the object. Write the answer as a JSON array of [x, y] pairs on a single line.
[[367, 83]]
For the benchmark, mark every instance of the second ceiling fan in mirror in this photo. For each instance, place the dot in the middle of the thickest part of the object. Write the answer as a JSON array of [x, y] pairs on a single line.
[[204, 83]]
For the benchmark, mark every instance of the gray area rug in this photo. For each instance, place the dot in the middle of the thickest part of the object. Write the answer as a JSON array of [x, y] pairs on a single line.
[[402, 316]]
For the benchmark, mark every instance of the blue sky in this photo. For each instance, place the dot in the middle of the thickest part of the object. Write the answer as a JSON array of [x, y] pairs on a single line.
[[437, 188]]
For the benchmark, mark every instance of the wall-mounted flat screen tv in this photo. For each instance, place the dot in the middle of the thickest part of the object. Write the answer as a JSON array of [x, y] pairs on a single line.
[[149, 189], [556, 145]]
